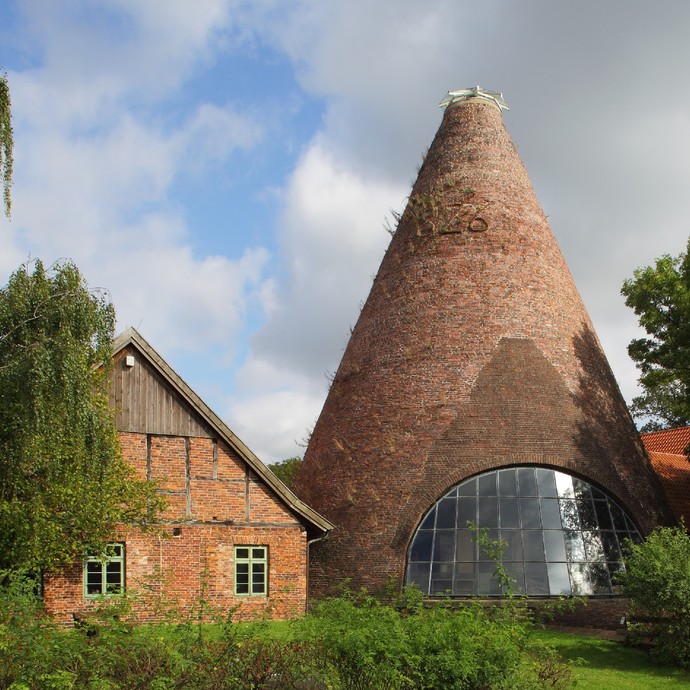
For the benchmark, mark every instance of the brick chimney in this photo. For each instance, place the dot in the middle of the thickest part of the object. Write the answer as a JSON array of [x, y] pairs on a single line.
[[473, 352]]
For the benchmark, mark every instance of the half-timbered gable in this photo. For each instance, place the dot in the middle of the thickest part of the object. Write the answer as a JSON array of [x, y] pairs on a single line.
[[232, 535]]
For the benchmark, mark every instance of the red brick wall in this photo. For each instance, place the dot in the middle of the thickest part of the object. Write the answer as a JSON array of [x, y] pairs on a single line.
[[473, 351], [215, 504]]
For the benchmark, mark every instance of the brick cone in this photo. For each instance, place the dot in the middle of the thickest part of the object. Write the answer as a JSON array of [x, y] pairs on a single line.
[[473, 352]]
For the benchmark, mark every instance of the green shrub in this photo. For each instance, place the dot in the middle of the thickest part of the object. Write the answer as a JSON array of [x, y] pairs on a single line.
[[351, 642], [371, 644], [657, 582]]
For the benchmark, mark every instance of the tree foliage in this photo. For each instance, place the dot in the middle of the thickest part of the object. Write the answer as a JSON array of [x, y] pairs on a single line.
[[6, 143], [63, 482], [657, 582], [286, 470], [660, 296]]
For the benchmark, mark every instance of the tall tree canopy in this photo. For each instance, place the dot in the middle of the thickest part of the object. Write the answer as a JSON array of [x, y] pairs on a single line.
[[63, 482], [6, 143], [660, 296], [286, 470]]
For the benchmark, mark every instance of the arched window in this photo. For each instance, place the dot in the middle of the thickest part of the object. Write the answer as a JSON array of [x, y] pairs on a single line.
[[561, 536]]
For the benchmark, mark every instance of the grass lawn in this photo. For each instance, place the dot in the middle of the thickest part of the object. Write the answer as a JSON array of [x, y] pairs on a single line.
[[609, 665]]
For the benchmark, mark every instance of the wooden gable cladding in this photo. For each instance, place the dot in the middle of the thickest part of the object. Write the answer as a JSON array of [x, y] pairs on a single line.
[[153, 403], [146, 403]]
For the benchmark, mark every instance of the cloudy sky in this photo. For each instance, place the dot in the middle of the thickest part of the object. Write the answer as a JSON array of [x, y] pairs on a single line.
[[225, 167]]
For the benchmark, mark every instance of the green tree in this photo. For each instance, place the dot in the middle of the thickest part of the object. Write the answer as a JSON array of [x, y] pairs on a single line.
[[6, 143], [660, 296], [286, 470], [63, 483], [657, 582]]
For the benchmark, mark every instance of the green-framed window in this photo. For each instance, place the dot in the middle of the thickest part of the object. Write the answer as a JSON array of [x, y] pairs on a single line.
[[251, 570], [104, 574]]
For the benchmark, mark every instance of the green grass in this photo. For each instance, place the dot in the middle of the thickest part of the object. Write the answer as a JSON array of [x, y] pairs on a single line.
[[606, 665]]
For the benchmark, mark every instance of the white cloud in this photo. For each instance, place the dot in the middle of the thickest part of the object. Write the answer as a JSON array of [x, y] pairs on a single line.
[[333, 239], [95, 168]]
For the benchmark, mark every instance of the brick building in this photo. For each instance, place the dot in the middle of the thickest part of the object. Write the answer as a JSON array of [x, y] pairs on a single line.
[[232, 535], [474, 387]]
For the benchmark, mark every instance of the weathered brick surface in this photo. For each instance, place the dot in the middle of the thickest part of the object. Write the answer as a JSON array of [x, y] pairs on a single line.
[[191, 559], [473, 351]]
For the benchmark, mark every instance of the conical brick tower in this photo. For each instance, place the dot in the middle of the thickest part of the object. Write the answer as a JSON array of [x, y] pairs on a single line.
[[473, 352]]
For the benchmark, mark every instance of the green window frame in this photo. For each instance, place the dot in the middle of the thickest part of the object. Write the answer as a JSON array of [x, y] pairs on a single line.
[[251, 571], [104, 574]]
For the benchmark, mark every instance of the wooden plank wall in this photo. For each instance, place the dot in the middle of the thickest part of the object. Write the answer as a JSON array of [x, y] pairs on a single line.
[[146, 403]]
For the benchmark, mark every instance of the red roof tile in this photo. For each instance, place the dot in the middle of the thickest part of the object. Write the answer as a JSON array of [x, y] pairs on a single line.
[[667, 441], [674, 472]]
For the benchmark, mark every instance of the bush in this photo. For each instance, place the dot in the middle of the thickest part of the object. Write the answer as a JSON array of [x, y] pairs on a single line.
[[657, 582], [351, 642], [371, 644]]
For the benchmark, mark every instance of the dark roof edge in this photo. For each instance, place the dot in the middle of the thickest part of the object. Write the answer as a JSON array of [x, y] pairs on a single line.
[[318, 523]]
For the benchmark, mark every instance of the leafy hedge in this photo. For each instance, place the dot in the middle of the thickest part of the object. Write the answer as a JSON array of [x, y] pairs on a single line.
[[352, 642]]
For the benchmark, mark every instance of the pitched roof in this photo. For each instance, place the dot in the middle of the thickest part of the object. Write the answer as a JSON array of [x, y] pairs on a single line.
[[317, 525], [667, 441], [674, 472]]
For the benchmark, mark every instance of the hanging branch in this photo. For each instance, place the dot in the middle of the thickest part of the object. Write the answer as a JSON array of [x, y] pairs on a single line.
[[6, 143]]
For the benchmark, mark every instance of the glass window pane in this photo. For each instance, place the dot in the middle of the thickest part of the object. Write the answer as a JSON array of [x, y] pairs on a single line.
[[546, 483], [564, 485], [533, 545], [418, 574], [536, 581], [554, 545], [445, 516], [618, 518], [603, 516], [550, 513], [611, 549], [630, 525], [444, 545], [527, 482], [466, 545], [615, 569], [513, 540], [529, 510], [258, 552], [509, 513], [113, 577], [569, 515], [574, 546], [582, 489], [596, 494], [486, 579], [488, 512], [559, 581], [516, 572], [468, 488], [465, 579], [421, 546], [441, 578], [467, 511], [487, 484], [441, 588], [593, 546], [599, 576], [242, 553], [579, 579], [585, 508], [507, 483]]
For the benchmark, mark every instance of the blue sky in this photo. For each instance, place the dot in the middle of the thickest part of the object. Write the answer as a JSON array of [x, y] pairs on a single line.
[[225, 167]]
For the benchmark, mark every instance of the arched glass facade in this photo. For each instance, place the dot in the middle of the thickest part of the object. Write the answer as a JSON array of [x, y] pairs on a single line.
[[562, 536]]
